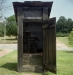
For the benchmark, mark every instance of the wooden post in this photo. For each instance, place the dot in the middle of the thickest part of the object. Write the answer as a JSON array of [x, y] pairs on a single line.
[[49, 41], [20, 38], [45, 17]]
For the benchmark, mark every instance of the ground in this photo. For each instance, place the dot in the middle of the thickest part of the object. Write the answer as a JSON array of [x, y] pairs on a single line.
[[59, 44], [8, 40], [8, 64], [10, 47], [4, 52], [7, 48]]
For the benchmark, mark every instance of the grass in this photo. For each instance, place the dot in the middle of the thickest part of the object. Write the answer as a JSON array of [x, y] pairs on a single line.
[[8, 40], [64, 40], [8, 64]]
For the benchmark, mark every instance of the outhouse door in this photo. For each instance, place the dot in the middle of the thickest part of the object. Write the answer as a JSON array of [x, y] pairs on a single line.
[[49, 45]]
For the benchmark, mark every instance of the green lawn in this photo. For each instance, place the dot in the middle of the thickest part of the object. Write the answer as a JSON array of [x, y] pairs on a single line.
[[64, 40], [8, 64], [8, 40]]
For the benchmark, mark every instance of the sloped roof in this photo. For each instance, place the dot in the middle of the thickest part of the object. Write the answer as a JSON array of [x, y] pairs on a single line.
[[31, 4]]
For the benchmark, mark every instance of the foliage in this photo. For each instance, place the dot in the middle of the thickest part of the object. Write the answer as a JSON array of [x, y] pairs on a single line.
[[61, 24], [11, 26], [71, 38], [64, 26], [62, 34]]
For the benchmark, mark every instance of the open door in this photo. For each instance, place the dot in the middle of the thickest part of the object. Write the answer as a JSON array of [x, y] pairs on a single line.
[[49, 45]]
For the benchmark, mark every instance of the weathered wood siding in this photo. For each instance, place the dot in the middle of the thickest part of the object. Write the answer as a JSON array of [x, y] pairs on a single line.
[[49, 46], [20, 38]]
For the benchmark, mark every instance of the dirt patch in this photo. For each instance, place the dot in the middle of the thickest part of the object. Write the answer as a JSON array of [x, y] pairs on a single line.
[[4, 52], [59, 44]]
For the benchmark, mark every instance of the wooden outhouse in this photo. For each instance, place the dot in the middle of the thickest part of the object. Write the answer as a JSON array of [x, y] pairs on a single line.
[[36, 36]]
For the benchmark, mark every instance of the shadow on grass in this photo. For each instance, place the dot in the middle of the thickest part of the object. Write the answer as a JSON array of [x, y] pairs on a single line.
[[1, 50], [69, 51], [10, 66], [10, 39], [44, 74], [13, 67]]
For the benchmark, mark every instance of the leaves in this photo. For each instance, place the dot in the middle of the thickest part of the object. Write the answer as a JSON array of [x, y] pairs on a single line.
[[11, 26], [71, 38], [64, 25]]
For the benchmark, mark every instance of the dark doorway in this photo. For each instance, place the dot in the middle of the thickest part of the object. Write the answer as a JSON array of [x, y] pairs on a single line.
[[32, 38]]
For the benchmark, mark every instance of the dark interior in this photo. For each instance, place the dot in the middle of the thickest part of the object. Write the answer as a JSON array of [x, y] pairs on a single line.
[[32, 38]]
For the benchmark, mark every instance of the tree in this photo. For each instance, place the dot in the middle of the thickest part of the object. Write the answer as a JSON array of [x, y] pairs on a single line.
[[71, 38], [69, 25], [64, 26], [61, 23], [4, 6], [60, 26], [11, 26]]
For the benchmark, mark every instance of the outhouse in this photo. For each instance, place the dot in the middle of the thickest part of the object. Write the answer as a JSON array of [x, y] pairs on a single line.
[[36, 36]]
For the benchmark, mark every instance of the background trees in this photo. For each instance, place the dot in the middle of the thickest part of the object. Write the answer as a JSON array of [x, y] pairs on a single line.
[[64, 26], [11, 27], [71, 38]]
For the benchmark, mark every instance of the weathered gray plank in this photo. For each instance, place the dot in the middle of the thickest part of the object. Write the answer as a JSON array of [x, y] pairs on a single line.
[[45, 13], [49, 23], [20, 39], [33, 20], [50, 47], [32, 15], [32, 9]]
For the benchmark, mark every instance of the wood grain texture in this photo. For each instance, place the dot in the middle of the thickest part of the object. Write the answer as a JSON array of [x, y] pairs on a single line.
[[49, 47], [20, 39]]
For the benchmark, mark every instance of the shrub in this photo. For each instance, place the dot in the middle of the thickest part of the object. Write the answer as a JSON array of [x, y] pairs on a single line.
[[71, 38], [62, 34]]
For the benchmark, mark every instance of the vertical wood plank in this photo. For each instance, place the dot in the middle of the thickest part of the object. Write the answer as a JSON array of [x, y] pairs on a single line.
[[20, 38], [43, 46], [45, 13], [50, 46], [46, 48], [45, 17], [54, 46]]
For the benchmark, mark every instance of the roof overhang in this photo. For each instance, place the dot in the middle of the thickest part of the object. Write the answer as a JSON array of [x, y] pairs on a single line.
[[32, 4]]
